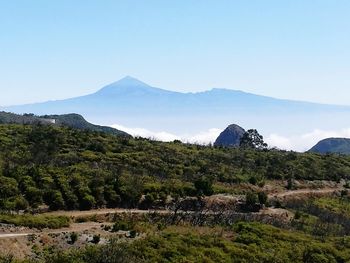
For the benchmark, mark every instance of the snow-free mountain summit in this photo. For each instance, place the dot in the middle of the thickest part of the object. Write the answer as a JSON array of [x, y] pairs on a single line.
[[133, 103]]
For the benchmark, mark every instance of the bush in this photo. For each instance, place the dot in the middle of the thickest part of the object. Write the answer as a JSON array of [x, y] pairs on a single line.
[[204, 186], [251, 199], [56, 201], [96, 239], [36, 221], [262, 196], [133, 233], [87, 202], [121, 225], [253, 180], [73, 237], [297, 215]]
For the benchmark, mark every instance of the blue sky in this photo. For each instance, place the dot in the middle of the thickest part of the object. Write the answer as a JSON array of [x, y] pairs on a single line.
[[287, 49]]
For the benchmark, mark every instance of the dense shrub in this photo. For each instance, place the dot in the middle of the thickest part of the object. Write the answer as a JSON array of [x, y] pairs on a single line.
[[35, 221], [69, 169], [244, 242]]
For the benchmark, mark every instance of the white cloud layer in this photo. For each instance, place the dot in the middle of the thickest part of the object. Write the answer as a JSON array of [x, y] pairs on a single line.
[[160, 136], [299, 143], [204, 137]]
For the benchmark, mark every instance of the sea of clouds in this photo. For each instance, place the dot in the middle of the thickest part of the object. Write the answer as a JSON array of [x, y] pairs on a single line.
[[298, 142]]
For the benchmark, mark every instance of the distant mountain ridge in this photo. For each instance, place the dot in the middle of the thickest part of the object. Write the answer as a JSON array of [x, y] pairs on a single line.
[[332, 145], [72, 120], [132, 103]]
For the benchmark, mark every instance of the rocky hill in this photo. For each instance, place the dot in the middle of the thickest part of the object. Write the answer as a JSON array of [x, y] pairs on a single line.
[[230, 137], [332, 145]]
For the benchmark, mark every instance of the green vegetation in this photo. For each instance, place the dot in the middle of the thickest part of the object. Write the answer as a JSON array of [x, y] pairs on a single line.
[[72, 120], [122, 225], [35, 221], [73, 238], [326, 216], [339, 206], [96, 239], [242, 242], [252, 139], [61, 168], [70, 169]]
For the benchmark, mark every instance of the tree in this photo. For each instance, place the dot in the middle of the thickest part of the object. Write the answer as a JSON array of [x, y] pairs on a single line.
[[34, 196], [87, 202], [96, 239], [56, 200], [8, 187], [262, 196], [73, 238], [44, 141], [290, 183], [251, 199], [204, 186], [130, 189], [252, 139]]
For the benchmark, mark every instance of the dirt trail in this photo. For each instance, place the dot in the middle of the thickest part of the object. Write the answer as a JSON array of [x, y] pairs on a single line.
[[103, 212], [14, 235], [76, 227], [138, 211], [306, 192]]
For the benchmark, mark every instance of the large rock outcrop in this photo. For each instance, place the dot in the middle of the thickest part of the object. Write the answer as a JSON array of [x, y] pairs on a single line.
[[230, 137]]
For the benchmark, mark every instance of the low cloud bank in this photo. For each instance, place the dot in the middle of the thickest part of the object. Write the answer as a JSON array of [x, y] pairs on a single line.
[[298, 143], [160, 136], [204, 137]]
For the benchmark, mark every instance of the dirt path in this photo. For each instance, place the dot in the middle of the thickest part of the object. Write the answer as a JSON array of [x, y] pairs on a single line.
[[306, 192], [281, 195], [74, 227], [14, 235], [104, 212], [77, 227], [138, 211]]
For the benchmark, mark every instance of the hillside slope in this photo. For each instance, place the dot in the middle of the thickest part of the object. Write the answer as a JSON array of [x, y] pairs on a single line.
[[332, 145], [72, 120], [72, 169]]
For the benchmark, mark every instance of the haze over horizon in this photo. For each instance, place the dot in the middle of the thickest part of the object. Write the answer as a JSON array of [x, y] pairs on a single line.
[[139, 109], [166, 89], [292, 50]]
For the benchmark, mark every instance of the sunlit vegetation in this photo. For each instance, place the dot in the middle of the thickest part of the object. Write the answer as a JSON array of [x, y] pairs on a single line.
[[242, 242], [35, 221], [69, 169], [326, 216], [56, 168]]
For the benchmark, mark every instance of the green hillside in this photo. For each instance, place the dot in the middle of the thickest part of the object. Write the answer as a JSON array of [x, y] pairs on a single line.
[[72, 169], [242, 242], [72, 120]]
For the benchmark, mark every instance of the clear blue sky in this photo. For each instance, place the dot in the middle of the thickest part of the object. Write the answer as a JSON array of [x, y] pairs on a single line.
[[296, 49]]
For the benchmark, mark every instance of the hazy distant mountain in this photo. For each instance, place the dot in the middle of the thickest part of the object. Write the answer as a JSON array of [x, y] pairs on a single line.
[[75, 121], [132, 103], [332, 145], [230, 137]]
